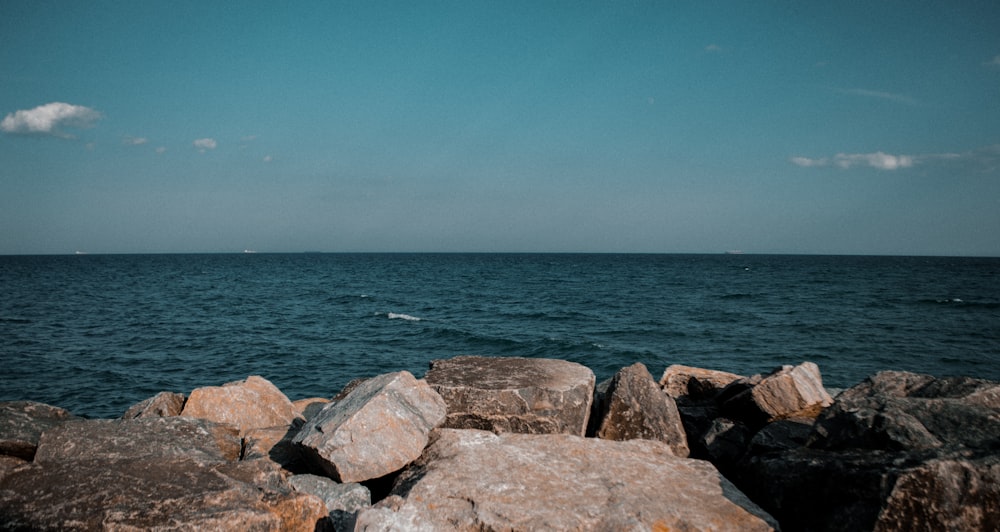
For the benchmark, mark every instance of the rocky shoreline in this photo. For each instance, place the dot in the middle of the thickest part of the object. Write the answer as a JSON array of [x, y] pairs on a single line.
[[519, 444]]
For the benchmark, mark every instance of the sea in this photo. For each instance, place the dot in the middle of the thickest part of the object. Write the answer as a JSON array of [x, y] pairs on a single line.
[[96, 334]]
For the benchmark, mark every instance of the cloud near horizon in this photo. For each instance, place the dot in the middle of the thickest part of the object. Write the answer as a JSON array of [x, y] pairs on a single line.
[[205, 144], [49, 120], [879, 160]]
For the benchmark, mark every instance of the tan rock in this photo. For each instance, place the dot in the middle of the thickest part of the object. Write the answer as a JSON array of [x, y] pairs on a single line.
[[634, 407], [477, 480], [162, 404], [248, 404], [378, 428], [510, 394], [308, 408], [789, 392], [697, 384], [22, 423], [274, 444]]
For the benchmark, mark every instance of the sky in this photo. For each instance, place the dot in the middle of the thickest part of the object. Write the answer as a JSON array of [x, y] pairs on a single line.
[[855, 127]]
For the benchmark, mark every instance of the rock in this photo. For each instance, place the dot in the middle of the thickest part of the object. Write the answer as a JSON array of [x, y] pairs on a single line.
[[695, 384], [510, 394], [478, 480], [162, 404], [377, 429], [899, 451], [177, 493], [634, 407], [152, 438], [343, 501], [308, 408], [274, 444], [791, 391], [725, 442], [248, 404], [22, 423], [782, 435]]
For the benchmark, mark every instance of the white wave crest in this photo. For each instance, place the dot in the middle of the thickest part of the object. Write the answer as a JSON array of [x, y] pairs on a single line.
[[407, 317]]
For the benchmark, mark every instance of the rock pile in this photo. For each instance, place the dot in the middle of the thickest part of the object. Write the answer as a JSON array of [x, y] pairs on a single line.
[[519, 444]]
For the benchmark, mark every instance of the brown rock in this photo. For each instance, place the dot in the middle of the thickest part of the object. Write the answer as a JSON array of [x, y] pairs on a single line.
[[248, 404], [695, 384], [509, 394], [274, 444], [634, 407], [308, 408], [790, 391], [477, 480], [163, 404], [377, 429], [22, 423]]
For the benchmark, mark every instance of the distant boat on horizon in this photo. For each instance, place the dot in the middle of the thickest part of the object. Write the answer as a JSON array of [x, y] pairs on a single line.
[[734, 252], [249, 251]]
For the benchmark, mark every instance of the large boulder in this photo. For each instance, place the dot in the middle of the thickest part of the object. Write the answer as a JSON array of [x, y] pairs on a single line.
[[163, 404], [155, 472], [22, 423], [788, 392], [378, 428], [511, 394], [478, 480], [900, 451], [252, 403], [695, 384], [631, 405]]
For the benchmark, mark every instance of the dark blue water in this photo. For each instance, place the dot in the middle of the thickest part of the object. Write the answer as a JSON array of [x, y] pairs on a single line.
[[98, 333]]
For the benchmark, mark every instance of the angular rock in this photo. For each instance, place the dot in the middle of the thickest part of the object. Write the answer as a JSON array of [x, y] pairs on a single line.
[[163, 404], [308, 408], [791, 391], [478, 480], [695, 384], [22, 423], [152, 438], [634, 407], [511, 394], [725, 442], [252, 403], [343, 501], [274, 444], [133, 494], [377, 429]]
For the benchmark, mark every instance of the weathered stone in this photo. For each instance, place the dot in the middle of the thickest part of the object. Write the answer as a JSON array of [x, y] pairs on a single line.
[[725, 442], [790, 391], [380, 426], [248, 404], [477, 480], [308, 408], [695, 384], [511, 394], [22, 423], [133, 494], [343, 501], [782, 435], [151, 438], [634, 407], [274, 444], [163, 404]]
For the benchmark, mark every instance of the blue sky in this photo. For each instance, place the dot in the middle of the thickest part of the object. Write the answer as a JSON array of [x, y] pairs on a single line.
[[625, 126]]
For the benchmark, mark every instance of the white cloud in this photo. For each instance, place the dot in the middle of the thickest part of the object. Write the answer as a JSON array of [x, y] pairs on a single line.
[[205, 144], [161, 150], [879, 160], [882, 95], [268, 158], [50, 119], [134, 141], [713, 48]]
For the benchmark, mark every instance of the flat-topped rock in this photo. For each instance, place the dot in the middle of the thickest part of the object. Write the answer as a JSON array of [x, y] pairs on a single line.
[[252, 403], [632, 406], [378, 428], [695, 384], [512, 394], [478, 480], [22, 424]]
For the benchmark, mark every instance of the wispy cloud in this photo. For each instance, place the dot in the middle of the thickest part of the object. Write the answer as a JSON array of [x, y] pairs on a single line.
[[129, 140], [985, 157], [161, 150], [993, 63], [50, 120], [713, 48], [881, 95], [205, 144]]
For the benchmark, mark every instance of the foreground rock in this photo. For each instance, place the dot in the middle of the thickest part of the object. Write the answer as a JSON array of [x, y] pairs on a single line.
[[477, 480], [22, 424], [900, 451], [252, 403], [159, 472], [378, 428], [632, 406], [523, 395]]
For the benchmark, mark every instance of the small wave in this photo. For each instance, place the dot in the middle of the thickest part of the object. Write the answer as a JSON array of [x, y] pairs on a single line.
[[407, 317]]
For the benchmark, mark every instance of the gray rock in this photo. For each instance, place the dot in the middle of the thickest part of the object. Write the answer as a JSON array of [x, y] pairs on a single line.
[[634, 407], [378, 428], [343, 501], [510, 394], [163, 404], [478, 480], [252, 403], [22, 423]]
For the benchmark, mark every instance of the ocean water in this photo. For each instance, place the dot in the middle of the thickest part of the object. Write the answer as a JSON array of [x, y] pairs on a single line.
[[98, 333]]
